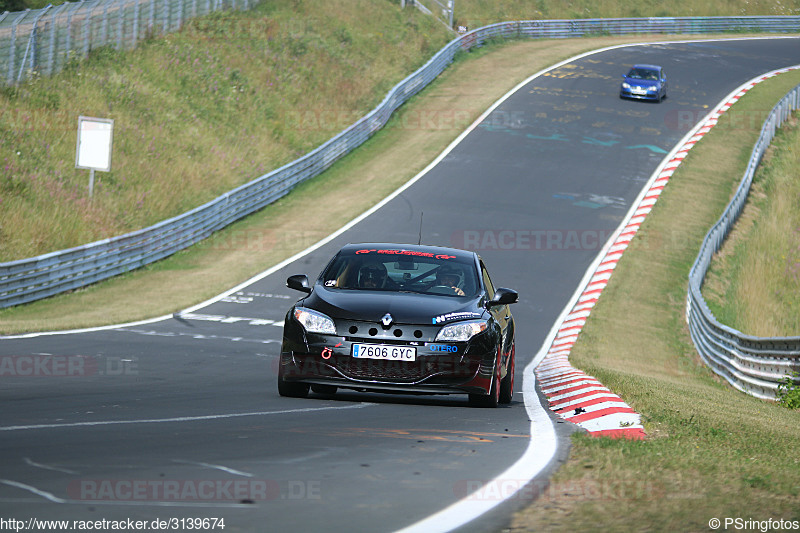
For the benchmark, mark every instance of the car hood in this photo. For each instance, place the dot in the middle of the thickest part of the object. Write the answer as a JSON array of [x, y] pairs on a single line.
[[405, 308]]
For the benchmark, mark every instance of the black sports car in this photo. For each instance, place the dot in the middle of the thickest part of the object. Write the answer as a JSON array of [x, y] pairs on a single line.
[[400, 318]]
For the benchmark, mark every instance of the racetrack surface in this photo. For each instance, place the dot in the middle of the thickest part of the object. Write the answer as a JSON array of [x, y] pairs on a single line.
[[190, 406]]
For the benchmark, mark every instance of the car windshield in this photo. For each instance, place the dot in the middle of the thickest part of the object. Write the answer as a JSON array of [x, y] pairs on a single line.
[[643, 74], [402, 271]]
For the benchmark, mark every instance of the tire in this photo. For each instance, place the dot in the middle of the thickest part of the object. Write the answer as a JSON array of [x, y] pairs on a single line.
[[491, 400], [507, 384], [324, 389], [292, 389]]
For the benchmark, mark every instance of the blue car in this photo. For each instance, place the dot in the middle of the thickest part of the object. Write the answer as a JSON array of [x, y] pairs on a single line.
[[644, 82]]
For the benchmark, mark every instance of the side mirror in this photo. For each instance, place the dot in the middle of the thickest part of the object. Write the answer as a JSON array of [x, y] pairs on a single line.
[[503, 297], [299, 282]]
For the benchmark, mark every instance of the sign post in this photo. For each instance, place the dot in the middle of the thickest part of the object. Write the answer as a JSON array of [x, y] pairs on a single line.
[[93, 152]]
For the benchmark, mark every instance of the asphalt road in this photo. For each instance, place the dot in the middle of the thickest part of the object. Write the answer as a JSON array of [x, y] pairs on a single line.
[[181, 418]]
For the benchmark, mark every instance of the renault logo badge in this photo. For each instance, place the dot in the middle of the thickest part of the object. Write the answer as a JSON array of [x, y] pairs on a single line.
[[387, 320]]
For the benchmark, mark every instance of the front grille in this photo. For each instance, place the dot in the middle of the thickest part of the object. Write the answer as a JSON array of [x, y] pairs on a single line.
[[376, 370]]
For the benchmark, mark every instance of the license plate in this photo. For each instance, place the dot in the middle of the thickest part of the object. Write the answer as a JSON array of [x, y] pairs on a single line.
[[385, 352], [637, 90]]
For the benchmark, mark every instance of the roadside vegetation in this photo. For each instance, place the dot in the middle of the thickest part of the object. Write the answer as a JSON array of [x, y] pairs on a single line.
[[754, 281], [476, 13], [198, 112], [711, 451]]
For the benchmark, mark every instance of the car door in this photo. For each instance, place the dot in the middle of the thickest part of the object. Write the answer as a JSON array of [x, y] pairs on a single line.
[[500, 313]]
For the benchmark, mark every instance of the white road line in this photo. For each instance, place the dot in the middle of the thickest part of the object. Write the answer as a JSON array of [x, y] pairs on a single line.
[[215, 467], [29, 488], [198, 336], [47, 467], [180, 418]]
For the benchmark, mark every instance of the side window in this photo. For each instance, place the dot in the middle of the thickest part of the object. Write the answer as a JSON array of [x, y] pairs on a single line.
[[487, 282]]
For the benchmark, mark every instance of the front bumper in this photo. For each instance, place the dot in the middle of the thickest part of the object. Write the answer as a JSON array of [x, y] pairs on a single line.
[[439, 368], [630, 93]]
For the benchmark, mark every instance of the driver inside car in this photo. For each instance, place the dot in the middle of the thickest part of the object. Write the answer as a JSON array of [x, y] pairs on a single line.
[[372, 275], [447, 276]]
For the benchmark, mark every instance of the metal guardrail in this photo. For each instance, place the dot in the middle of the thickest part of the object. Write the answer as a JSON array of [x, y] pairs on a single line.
[[27, 280], [754, 365], [44, 40]]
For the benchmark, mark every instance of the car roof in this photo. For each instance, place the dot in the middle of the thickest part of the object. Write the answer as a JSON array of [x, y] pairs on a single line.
[[652, 67], [436, 250]]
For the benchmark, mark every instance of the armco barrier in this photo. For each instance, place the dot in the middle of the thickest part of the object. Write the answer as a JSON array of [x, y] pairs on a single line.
[[42, 41], [751, 364], [27, 280]]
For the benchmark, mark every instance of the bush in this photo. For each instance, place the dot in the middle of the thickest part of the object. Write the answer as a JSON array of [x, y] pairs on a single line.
[[789, 391]]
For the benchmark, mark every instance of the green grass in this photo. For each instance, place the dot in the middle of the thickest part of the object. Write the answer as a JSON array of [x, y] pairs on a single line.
[[754, 280], [197, 113], [476, 13]]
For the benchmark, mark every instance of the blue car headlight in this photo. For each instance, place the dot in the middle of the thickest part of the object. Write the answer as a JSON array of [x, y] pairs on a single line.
[[626, 85], [314, 321]]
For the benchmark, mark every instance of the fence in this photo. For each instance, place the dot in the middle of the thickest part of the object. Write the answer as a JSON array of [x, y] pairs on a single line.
[[751, 364], [27, 280], [44, 40]]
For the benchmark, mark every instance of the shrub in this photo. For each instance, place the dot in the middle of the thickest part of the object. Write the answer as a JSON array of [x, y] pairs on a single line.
[[789, 391]]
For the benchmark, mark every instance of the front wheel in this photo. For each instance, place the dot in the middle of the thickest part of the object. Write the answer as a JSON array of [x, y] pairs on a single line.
[[292, 389], [492, 399], [507, 384]]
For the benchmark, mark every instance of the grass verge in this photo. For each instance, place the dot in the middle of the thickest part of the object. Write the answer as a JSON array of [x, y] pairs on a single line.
[[754, 280], [230, 97], [712, 452]]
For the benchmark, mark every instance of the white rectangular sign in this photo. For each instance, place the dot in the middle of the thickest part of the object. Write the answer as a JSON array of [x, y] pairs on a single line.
[[95, 137]]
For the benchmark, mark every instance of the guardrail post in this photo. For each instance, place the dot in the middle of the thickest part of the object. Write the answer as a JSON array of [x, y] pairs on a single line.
[[121, 5], [135, 29]]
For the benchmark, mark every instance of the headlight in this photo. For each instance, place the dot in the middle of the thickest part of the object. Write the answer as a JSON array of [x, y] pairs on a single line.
[[652, 89], [314, 322], [626, 85], [461, 331]]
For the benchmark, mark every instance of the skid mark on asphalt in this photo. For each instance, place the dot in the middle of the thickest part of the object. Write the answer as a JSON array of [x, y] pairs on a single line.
[[440, 435]]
